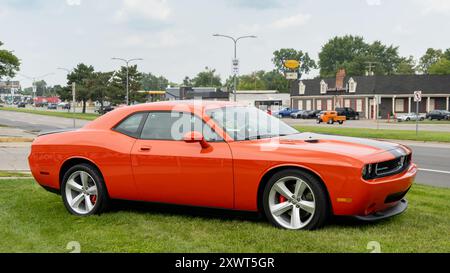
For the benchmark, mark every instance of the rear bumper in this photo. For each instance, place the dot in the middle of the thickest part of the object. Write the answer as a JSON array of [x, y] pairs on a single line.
[[401, 207]]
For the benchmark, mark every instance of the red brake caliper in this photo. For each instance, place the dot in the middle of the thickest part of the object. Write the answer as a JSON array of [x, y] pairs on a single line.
[[282, 199], [93, 199]]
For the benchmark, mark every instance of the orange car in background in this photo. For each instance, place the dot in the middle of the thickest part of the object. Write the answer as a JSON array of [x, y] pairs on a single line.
[[330, 117], [222, 155]]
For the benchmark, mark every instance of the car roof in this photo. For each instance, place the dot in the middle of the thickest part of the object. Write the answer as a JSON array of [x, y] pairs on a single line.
[[110, 119]]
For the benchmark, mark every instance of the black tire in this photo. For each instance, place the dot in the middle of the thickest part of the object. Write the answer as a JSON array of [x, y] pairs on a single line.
[[341, 122], [102, 201], [331, 122], [357, 117], [408, 119], [322, 211], [319, 121]]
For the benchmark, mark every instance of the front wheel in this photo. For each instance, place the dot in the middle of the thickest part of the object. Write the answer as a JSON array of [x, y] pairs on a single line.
[[83, 191], [295, 200], [319, 121]]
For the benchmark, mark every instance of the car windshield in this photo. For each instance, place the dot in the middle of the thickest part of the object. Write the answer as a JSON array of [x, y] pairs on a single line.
[[248, 123]]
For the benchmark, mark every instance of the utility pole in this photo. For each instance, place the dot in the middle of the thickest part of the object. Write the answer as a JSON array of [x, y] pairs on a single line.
[[235, 40], [127, 62]]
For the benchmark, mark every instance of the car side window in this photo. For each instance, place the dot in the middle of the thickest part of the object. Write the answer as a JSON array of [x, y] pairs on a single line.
[[174, 125], [131, 125]]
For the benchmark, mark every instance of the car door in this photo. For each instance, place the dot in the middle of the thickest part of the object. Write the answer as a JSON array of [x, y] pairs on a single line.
[[169, 170]]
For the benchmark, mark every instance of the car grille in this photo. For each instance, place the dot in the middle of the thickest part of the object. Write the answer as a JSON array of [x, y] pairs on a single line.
[[387, 168]]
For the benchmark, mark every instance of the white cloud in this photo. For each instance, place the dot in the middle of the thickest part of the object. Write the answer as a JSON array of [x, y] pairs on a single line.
[[163, 39], [373, 2], [434, 6], [292, 21], [144, 9], [73, 2]]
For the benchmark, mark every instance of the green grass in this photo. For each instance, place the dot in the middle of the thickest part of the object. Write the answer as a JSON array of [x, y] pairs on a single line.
[[87, 116], [32, 220], [380, 134], [13, 174]]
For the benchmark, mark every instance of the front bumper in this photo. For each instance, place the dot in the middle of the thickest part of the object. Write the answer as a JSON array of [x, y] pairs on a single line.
[[401, 207]]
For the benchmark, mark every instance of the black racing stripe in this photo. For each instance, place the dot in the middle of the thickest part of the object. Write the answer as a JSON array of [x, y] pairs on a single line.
[[395, 149]]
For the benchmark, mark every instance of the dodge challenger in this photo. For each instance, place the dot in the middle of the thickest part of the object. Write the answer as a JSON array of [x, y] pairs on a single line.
[[222, 155]]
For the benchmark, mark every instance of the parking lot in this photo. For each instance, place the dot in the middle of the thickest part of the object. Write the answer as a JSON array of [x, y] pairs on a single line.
[[443, 126]]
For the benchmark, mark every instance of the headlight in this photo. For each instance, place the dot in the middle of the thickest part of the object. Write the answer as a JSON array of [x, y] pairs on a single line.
[[368, 171]]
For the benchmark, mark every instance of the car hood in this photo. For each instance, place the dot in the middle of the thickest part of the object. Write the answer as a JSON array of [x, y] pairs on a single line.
[[359, 148]]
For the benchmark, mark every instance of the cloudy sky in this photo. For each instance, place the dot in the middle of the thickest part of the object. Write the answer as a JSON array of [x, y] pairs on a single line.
[[175, 36]]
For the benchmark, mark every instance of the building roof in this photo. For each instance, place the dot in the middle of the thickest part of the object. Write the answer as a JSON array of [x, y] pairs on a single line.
[[395, 84]]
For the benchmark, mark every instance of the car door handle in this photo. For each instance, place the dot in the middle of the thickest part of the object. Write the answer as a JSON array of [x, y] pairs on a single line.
[[146, 149]]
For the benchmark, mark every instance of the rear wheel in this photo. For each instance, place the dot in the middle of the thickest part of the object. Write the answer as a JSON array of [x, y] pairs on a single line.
[[296, 200], [341, 122], [83, 191]]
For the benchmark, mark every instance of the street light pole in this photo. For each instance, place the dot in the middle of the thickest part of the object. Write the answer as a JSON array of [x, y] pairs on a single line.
[[235, 40], [127, 62], [73, 94], [34, 79]]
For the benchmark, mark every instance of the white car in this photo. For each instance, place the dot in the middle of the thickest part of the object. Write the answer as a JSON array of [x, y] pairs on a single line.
[[410, 116]]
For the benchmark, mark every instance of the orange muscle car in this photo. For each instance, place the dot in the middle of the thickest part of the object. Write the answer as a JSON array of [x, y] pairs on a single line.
[[222, 155], [330, 117]]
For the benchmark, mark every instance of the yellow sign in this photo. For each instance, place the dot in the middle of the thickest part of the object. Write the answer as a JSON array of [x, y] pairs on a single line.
[[292, 64]]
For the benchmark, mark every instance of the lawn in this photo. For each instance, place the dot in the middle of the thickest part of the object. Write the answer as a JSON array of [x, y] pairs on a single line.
[[379, 134], [33, 220], [13, 174], [87, 116]]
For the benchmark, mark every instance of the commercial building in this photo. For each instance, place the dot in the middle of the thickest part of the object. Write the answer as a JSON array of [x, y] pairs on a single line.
[[9, 87], [368, 95], [263, 99]]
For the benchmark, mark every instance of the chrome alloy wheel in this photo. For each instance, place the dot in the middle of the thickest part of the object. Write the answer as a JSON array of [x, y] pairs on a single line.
[[81, 192], [292, 203]]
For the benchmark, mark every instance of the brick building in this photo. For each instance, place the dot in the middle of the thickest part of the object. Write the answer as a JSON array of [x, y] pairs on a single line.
[[361, 92]]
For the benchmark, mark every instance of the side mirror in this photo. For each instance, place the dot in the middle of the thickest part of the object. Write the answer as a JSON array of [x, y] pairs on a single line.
[[196, 137]]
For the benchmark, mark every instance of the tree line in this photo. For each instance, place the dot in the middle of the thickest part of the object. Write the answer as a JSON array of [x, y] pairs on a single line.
[[350, 52]]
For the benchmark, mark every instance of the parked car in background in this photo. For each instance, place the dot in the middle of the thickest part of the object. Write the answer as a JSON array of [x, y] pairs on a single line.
[[52, 106], [438, 114], [297, 115], [410, 116], [21, 105], [105, 109], [349, 113], [41, 104], [285, 112], [330, 117], [310, 114], [64, 105]]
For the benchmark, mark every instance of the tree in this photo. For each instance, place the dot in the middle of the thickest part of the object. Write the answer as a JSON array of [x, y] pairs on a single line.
[[41, 87], [134, 83], [151, 82], [101, 88], [354, 55], [254, 81], [447, 54], [430, 57], [442, 67], [187, 82], [80, 75], [284, 54], [407, 66], [342, 52], [9, 63], [207, 78]]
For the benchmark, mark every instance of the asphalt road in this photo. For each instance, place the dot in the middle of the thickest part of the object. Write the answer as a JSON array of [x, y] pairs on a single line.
[[37, 123], [433, 159]]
